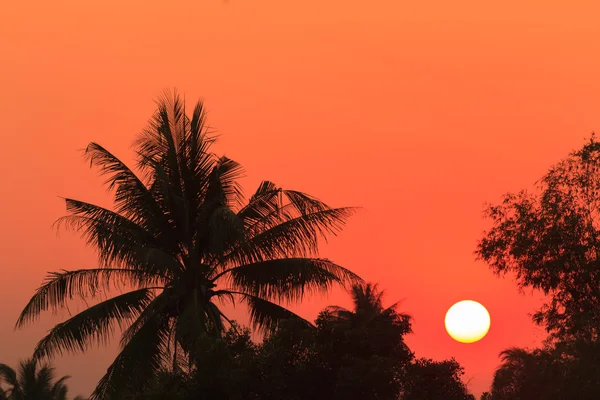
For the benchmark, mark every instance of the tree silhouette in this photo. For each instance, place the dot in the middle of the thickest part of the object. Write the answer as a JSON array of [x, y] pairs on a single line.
[[527, 374], [550, 241], [435, 380], [289, 365], [364, 347], [181, 242], [362, 359], [32, 381]]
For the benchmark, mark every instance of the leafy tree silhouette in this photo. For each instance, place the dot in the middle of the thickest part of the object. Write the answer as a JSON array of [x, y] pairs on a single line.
[[550, 241], [435, 380]]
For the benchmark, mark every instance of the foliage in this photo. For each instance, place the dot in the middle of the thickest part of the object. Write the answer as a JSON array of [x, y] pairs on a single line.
[[433, 380], [364, 347], [181, 242], [32, 381], [562, 371], [349, 354], [527, 374], [550, 241]]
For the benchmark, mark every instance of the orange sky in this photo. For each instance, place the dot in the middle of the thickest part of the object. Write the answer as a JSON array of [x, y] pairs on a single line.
[[418, 111]]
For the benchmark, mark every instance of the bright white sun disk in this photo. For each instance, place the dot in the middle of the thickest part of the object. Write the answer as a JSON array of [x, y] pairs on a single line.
[[467, 321]]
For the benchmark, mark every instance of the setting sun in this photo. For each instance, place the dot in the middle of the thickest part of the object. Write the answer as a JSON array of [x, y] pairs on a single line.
[[467, 321]]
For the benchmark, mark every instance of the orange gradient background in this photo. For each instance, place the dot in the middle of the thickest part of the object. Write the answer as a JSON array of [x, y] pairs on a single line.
[[418, 111]]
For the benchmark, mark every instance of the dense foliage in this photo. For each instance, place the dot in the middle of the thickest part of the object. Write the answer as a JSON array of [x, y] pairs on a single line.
[[549, 240], [350, 354], [430, 379]]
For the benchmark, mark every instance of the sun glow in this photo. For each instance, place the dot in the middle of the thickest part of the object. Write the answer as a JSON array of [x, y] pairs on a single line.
[[467, 321]]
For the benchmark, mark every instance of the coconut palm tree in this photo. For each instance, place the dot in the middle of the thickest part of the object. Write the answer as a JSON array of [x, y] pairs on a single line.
[[32, 382], [525, 374], [364, 347], [181, 242], [367, 308]]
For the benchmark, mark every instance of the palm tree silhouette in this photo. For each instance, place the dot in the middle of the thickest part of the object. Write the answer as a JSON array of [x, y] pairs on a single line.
[[367, 308], [526, 374], [182, 242], [32, 382], [355, 342]]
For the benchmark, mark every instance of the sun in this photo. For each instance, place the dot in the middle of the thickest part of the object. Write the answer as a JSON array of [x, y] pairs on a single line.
[[467, 321]]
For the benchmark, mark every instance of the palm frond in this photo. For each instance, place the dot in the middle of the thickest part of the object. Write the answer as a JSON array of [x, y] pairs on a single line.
[[297, 237], [338, 313], [157, 306], [266, 207], [113, 235], [133, 198], [514, 355], [139, 360], [62, 380], [43, 380], [266, 316], [59, 389], [216, 317], [8, 375], [196, 163], [117, 239], [198, 142], [223, 185], [265, 190], [157, 144], [367, 297], [264, 202], [59, 287], [223, 293], [59, 392], [27, 374], [94, 324], [304, 203], [288, 279]]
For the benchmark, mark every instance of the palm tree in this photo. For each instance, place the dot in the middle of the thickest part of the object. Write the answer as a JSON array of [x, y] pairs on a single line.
[[364, 347], [368, 308], [182, 242], [525, 374], [32, 382]]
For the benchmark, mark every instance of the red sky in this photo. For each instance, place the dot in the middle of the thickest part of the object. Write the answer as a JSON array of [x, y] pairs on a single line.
[[419, 112]]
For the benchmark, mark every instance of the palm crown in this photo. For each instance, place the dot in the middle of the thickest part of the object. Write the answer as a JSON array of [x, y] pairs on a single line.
[[32, 381], [183, 242], [367, 301]]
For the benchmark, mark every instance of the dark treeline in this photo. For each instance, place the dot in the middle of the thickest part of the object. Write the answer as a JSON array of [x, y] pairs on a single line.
[[182, 242], [348, 354]]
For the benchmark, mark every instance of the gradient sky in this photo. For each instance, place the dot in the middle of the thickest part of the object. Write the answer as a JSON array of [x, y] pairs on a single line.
[[419, 112]]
